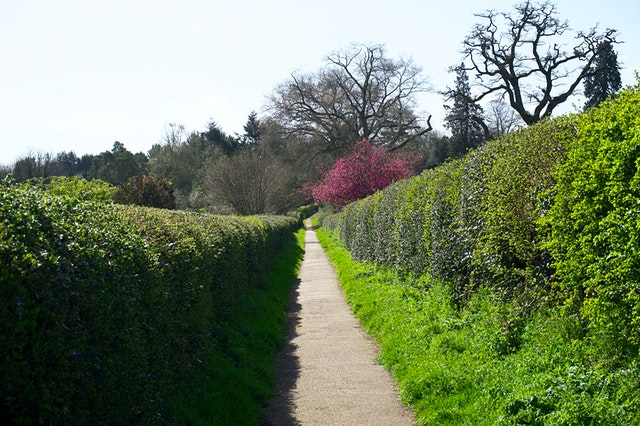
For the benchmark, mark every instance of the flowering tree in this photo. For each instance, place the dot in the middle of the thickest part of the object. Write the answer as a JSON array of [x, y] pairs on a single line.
[[363, 171]]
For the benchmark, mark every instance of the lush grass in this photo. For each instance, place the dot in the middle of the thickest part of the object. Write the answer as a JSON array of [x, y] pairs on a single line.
[[487, 362], [238, 380]]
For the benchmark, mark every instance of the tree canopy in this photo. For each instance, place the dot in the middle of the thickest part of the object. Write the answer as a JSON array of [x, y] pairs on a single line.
[[360, 93], [523, 56], [363, 171]]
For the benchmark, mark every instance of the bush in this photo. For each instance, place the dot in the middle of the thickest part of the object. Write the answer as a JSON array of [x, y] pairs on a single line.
[[75, 339], [146, 190], [75, 188], [363, 171], [483, 362], [541, 228], [470, 221], [516, 193]]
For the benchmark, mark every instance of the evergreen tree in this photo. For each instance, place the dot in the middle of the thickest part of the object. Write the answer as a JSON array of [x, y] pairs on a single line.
[[117, 165], [253, 130], [215, 135], [603, 79], [464, 117], [65, 164]]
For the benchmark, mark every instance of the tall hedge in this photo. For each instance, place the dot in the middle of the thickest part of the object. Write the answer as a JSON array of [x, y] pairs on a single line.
[[549, 210], [105, 308], [469, 221], [594, 222]]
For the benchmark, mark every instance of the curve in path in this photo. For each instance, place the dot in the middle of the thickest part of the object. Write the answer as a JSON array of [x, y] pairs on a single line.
[[327, 373]]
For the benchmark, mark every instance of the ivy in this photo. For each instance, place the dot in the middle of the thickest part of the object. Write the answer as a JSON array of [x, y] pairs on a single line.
[[106, 309]]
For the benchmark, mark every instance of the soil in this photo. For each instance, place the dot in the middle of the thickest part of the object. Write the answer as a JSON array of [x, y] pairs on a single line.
[[327, 373]]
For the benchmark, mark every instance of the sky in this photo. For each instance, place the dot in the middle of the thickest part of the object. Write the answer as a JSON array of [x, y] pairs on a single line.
[[80, 75]]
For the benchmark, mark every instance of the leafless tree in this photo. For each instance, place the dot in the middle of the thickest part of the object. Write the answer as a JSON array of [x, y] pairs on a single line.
[[360, 93], [501, 118], [527, 60], [252, 181]]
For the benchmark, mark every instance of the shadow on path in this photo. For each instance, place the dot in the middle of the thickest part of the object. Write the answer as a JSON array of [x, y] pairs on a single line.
[[327, 373], [287, 366]]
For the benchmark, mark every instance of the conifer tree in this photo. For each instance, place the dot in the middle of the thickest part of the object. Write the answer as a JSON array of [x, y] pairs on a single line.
[[603, 79], [464, 117], [253, 130]]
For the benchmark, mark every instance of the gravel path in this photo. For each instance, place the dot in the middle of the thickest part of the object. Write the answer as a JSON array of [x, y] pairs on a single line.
[[327, 374]]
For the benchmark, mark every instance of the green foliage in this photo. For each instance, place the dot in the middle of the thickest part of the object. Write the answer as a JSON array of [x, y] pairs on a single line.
[[146, 190], [106, 310], [180, 158], [73, 277], [482, 363], [539, 227], [76, 188], [593, 222], [463, 118], [307, 210], [238, 378], [117, 165], [469, 221], [603, 79], [517, 181]]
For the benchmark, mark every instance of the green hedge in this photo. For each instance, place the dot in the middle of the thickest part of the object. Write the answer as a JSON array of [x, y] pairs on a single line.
[[593, 226], [104, 309], [469, 221], [554, 206], [513, 295]]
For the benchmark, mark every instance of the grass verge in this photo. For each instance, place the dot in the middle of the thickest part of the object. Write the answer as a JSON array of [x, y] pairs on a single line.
[[237, 379], [484, 363]]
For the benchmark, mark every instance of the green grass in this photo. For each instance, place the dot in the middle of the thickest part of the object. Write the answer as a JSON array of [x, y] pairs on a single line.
[[238, 380], [484, 364]]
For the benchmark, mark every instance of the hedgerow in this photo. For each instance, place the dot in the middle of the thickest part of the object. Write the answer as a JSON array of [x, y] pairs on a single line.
[[469, 221], [105, 309], [594, 222], [545, 221]]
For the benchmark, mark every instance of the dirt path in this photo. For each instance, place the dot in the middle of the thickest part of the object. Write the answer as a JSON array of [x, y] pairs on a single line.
[[327, 374]]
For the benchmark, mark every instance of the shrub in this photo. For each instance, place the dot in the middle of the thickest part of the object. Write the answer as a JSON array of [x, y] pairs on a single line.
[[517, 181], [75, 188], [73, 277], [471, 221], [593, 222], [542, 226], [146, 190]]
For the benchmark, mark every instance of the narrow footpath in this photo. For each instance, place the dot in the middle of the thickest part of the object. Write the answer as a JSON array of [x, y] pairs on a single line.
[[327, 373]]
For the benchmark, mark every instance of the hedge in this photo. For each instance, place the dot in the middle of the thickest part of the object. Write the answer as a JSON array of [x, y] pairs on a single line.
[[548, 212], [104, 309], [592, 228], [469, 221]]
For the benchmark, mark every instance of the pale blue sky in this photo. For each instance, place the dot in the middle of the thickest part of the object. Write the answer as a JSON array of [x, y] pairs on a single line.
[[79, 75]]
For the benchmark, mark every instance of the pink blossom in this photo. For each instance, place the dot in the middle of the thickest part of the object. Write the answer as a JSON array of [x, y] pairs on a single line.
[[363, 171]]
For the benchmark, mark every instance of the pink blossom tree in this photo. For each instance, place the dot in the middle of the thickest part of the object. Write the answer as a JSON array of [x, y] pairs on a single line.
[[363, 171]]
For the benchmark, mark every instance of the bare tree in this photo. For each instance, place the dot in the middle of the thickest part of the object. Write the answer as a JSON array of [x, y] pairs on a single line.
[[527, 60], [501, 118], [359, 94], [251, 181]]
